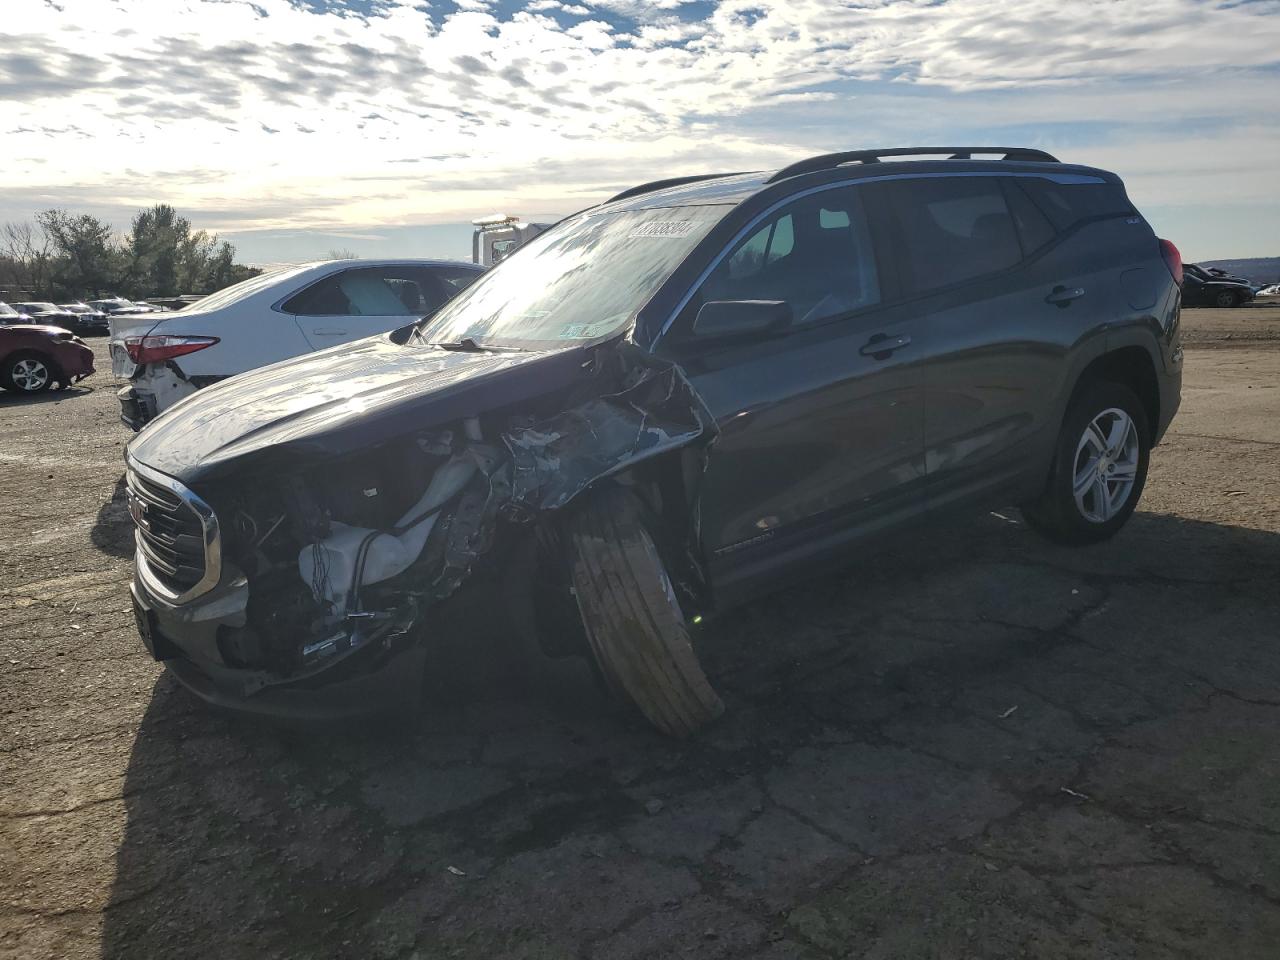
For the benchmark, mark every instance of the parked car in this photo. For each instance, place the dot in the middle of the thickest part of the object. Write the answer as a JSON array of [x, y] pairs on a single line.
[[49, 314], [272, 317], [34, 356], [1270, 290], [8, 315], [1200, 288], [658, 408], [87, 321], [117, 305]]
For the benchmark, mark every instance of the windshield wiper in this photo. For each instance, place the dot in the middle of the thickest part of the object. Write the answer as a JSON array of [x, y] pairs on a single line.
[[465, 344]]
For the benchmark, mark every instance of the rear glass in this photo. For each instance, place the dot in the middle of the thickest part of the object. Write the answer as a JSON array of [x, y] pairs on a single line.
[[1066, 204]]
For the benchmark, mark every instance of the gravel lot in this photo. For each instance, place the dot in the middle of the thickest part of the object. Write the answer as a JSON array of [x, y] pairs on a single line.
[[975, 744]]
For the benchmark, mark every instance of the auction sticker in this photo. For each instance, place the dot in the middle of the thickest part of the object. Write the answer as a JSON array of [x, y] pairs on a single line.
[[663, 228]]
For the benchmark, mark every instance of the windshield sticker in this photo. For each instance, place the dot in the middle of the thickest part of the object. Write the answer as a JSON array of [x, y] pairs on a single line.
[[587, 331], [663, 229]]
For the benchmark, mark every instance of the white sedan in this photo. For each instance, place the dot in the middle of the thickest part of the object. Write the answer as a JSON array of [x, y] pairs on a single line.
[[272, 317]]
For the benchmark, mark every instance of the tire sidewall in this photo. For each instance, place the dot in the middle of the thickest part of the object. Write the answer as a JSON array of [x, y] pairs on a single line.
[[11, 361], [1093, 400]]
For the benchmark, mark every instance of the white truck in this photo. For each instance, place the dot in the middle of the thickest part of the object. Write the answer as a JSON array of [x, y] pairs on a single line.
[[498, 235]]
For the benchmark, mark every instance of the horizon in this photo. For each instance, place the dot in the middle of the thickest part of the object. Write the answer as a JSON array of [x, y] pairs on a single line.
[[292, 127]]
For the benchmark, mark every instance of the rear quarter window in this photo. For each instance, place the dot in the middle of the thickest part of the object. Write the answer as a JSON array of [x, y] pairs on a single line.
[[1067, 204]]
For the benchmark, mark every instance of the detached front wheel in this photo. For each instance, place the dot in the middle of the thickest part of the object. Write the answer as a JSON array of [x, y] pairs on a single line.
[[633, 621]]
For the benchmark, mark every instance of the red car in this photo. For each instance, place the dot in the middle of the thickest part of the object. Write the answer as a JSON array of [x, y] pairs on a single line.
[[34, 357]]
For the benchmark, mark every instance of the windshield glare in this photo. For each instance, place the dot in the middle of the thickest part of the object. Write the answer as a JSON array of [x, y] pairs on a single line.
[[7, 311], [585, 279]]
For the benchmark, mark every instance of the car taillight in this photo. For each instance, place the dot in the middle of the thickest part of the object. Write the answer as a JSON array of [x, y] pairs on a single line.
[[160, 348], [1172, 260]]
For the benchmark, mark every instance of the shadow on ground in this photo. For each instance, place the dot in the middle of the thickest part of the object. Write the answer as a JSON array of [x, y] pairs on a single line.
[[13, 398], [112, 530], [975, 744]]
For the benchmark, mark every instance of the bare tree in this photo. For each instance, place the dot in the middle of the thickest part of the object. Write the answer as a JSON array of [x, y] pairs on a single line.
[[25, 249], [341, 253]]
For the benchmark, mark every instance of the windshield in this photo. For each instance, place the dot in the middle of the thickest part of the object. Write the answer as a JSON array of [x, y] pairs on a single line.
[[7, 311], [76, 308], [585, 279], [41, 307]]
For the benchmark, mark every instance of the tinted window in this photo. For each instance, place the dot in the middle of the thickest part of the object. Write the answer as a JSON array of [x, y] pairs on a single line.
[[952, 230], [815, 254], [1034, 228], [457, 278], [1066, 204], [391, 291]]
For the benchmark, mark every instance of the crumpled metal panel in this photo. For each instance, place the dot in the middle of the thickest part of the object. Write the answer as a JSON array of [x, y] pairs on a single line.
[[555, 459]]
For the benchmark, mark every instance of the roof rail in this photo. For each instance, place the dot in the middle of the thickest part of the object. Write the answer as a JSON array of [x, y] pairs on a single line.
[[829, 161], [663, 184]]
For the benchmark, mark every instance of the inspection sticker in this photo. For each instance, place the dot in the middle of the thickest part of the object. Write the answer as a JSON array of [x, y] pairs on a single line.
[[663, 228]]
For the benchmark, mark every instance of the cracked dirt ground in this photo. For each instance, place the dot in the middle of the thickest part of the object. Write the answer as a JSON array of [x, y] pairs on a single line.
[[971, 745]]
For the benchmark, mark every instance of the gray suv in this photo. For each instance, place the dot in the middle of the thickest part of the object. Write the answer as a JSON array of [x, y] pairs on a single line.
[[660, 407]]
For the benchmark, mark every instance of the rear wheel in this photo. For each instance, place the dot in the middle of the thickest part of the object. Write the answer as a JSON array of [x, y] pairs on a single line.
[[634, 625], [1099, 469], [26, 372], [1226, 299]]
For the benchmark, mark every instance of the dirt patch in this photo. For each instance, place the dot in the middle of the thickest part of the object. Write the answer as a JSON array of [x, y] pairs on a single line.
[[970, 744]]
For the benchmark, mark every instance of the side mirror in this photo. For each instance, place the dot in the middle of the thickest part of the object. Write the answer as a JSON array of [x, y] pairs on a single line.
[[724, 319]]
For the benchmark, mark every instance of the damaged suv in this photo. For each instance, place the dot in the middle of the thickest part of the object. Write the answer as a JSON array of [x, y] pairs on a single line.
[[662, 406]]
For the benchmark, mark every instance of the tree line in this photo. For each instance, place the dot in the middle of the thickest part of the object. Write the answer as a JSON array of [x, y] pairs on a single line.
[[62, 256]]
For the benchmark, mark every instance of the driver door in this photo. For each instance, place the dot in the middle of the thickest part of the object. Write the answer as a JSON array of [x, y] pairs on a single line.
[[821, 425]]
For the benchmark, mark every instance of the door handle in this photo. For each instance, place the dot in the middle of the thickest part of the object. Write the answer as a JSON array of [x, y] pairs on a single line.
[[881, 345], [1063, 296], [329, 332]]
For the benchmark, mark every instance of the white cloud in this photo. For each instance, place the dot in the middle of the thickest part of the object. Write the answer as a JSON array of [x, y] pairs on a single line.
[[302, 118]]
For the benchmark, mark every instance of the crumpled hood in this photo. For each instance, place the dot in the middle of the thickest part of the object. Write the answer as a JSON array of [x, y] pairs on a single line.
[[348, 397]]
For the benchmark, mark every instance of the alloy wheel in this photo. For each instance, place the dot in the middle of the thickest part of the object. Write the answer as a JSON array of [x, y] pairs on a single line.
[[29, 374], [1106, 465]]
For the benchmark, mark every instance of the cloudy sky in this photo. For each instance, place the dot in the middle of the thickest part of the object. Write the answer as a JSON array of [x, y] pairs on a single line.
[[385, 126]]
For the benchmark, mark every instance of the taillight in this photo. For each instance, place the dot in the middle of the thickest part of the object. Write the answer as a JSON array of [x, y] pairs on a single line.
[[1172, 260], [161, 348]]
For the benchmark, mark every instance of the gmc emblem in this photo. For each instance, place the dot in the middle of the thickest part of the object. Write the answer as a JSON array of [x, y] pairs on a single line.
[[137, 510]]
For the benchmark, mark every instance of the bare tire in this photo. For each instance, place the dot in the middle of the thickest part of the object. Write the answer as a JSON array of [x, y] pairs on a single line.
[[1099, 469], [1226, 299], [27, 372], [632, 618]]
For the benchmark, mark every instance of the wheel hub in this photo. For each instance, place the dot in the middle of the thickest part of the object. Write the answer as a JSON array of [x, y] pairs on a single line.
[[1106, 465]]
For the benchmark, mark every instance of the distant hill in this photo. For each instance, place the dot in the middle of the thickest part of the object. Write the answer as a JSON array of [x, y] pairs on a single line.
[[1257, 269]]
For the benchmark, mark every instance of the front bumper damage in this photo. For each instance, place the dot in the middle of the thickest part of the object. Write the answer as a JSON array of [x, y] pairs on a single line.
[[362, 607]]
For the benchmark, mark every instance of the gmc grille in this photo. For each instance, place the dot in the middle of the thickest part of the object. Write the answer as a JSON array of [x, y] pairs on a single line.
[[178, 549]]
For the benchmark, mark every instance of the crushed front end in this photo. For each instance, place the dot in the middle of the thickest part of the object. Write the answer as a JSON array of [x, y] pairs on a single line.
[[317, 590]]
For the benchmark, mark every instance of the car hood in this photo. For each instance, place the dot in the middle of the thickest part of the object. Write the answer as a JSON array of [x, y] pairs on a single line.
[[46, 329], [346, 398]]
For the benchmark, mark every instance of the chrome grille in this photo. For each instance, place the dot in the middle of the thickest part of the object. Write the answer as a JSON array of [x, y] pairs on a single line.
[[178, 547]]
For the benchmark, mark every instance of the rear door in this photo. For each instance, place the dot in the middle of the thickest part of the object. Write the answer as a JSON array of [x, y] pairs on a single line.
[[360, 301], [1000, 305], [820, 431]]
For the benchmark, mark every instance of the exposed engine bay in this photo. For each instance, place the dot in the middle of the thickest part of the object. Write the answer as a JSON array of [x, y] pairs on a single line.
[[341, 556]]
